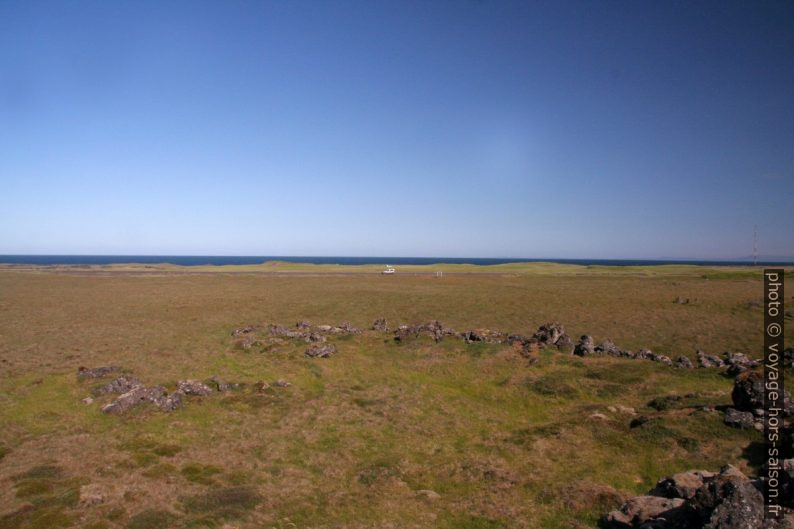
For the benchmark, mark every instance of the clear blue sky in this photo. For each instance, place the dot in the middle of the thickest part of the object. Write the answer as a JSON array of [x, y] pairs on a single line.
[[637, 129]]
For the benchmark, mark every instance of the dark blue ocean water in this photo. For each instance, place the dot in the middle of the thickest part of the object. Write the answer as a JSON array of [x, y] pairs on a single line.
[[194, 260]]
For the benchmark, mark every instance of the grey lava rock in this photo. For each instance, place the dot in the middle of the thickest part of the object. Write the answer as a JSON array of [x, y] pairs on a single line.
[[321, 350], [682, 485], [95, 372], [684, 362], [707, 361], [585, 346], [194, 387], [380, 325], [141, 395], [739, 419], [120, 385], [644, 509], [552, 334]]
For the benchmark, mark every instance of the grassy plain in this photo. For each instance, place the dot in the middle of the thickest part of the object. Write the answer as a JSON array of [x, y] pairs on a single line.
[[357, 436]]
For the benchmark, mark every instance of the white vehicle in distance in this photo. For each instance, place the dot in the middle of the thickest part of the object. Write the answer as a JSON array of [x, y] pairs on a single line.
[[389, 270]]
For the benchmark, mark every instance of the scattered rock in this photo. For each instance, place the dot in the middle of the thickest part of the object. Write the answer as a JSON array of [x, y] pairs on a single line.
[[380, 325], [324, 328], [642, 509], [281, 383], [483, 335], [120, 385], [242, 331], [684, 362], [599, 417], [585, 346], [91, 494], [619, 408], [432, 328], [321, 350], [281, 331], [552, 334], [303, 325], [96, 372], [140, 395], [739, 419], [748, 394], [222, 386], [682, 485], [428, 494], [88, 400], [681, 301], [707, 361], [193, 387], [739, 363]]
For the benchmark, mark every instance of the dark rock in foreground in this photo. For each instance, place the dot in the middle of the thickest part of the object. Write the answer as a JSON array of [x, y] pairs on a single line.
[[695, 500]]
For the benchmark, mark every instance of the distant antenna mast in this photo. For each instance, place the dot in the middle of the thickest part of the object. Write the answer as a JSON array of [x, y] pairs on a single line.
[[755, 245]]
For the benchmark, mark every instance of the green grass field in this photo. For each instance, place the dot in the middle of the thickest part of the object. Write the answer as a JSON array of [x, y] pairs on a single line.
[[356, 437]]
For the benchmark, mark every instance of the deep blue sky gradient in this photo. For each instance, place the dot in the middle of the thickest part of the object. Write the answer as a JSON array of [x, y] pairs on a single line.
[[512, 129]]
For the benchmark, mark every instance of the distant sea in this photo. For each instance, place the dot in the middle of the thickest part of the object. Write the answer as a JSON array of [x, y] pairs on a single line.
[[195, 260]]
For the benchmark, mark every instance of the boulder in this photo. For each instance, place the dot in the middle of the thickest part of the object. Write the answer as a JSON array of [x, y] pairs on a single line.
[[321, 350], [585, 346], [729, 501], [748, 394], [193, 387]]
